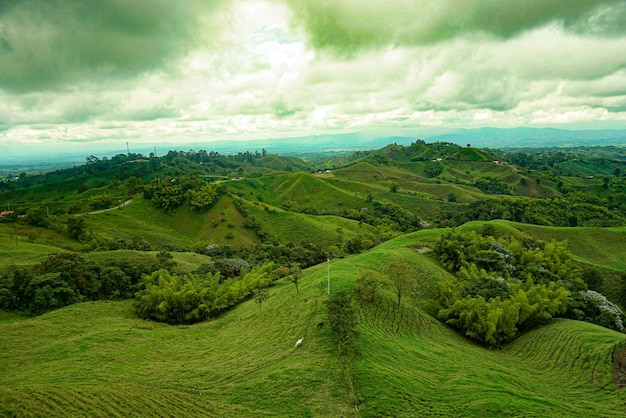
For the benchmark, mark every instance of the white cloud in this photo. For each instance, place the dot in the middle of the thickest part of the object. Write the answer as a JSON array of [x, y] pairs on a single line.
[[260, 78]]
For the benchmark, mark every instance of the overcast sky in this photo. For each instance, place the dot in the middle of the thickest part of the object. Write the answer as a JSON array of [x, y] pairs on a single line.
[[78, 72]]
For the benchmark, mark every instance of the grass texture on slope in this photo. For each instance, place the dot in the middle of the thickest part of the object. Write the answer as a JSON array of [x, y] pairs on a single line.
[[97, 358]]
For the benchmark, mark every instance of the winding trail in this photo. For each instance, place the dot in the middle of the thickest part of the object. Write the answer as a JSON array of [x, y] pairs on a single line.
[[106, 210]]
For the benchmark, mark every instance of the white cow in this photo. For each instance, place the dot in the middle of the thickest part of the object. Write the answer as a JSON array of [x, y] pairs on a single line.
[[299, 342]]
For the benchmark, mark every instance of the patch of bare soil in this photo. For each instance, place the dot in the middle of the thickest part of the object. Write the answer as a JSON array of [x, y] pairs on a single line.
[[619, 375], [422, 250]]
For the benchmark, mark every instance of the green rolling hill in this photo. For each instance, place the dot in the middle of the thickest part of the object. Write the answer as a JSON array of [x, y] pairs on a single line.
[[99, 359], [245, 364]]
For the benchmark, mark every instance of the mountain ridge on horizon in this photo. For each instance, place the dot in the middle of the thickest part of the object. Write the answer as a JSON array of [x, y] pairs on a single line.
[[487, 137]]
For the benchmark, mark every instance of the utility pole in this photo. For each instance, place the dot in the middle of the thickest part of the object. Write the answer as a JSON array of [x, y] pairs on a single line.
[[328, 260]]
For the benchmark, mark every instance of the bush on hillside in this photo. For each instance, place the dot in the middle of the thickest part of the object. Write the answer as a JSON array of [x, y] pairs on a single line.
[[343, 323], [491, 185], [433, 169], [188, 299], [62, 279], [599, 310], [204, 198], [505, 285]]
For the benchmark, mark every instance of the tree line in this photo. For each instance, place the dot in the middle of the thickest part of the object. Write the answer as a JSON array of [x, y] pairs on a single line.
[[538, 211]]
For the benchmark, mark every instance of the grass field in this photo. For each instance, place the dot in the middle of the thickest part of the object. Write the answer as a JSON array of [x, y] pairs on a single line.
[[297, 227], [98, 359], [600, 246], [32, 245], [222, 224]]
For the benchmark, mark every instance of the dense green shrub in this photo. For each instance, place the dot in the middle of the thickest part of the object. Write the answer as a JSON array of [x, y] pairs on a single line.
[[62, 279], [175, 299], [492, 185], [205, 197], [433, 169], [599, 310], [343, 322], [505, 285]]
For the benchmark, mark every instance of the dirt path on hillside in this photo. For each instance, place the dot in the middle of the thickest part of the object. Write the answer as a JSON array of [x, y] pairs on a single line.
[[106, 210]]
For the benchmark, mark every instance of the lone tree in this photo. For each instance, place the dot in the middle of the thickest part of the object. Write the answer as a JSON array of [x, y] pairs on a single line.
[[75, 227], [296, 275], [343, 324], [165, 261], [401, 280], [369, 283], [260, 296]]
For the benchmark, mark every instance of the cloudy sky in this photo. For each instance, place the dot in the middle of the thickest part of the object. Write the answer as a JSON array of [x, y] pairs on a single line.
[[79, 73]]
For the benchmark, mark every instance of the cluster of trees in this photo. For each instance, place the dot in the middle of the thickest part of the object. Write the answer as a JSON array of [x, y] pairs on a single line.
[[186, 299], [215, 158], [506, 285], [62, 279], [163, 293], [433, 169], [171, 193], [545, 211], [386, 215], [101, 201], [491, 185], [398, 279], [592, 306], [600, 160]]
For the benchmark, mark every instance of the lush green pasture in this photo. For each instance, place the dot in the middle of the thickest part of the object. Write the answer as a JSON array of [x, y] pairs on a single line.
[[297, 227], [299, 189], [222, 224], [413, 365], [364, 172], [601, 246], [33, 244], [97, 358], [472, 154]]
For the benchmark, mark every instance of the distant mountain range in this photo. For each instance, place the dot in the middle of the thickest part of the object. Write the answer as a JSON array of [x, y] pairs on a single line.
[[342, 143], [532, 137], [480, 138]]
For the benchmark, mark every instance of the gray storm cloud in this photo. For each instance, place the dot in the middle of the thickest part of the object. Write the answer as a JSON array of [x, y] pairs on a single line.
[[45, 44], [48, 44], [80, 69], [349, 25]]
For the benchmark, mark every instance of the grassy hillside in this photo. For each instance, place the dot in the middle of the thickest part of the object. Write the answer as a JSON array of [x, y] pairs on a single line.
[[472, 154], [222, 224], [110, 363], [603, 247], [32, 245], [185, 262], [245, 364], [298, 189], [295, 227]]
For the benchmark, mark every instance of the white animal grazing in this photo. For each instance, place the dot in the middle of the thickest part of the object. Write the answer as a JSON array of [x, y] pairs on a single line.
[[299, 342]]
